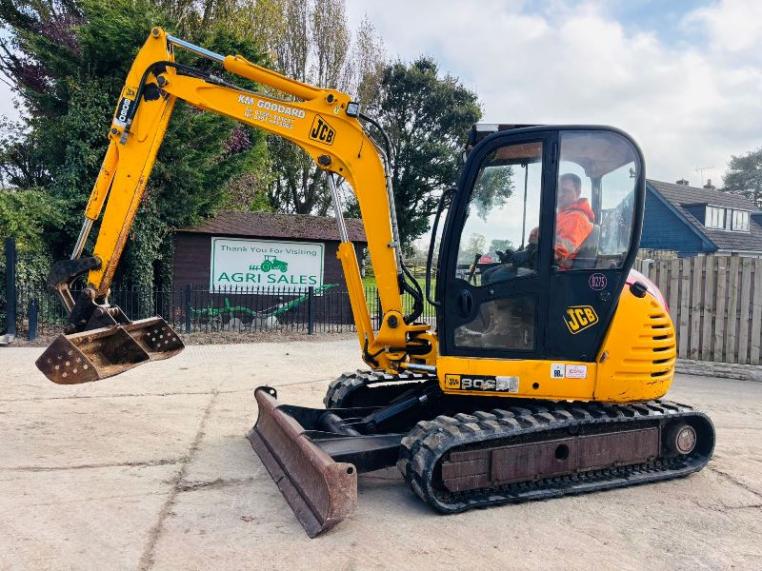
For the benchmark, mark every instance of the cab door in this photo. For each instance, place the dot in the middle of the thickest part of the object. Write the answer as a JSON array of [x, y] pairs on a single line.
[[585, 287], [495, 252], [539, 243]]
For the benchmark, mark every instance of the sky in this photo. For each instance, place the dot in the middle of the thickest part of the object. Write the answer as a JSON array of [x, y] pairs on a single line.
[[683, 78]]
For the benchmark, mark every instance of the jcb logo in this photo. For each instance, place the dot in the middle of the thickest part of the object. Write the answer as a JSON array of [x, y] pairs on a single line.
[[322, 131], [452, 381], [580, 317]]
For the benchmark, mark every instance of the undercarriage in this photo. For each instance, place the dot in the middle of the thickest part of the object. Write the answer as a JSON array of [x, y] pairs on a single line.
[[458, 453]]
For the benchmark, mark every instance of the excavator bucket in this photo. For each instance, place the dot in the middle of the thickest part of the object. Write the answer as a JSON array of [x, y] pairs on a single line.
[[320, 491], [107, 351]]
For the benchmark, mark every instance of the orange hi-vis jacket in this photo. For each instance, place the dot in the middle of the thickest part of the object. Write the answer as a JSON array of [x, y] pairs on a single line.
[[573, 225]]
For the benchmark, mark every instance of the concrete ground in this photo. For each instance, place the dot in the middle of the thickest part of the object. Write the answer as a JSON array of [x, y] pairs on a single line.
[[151, 470]]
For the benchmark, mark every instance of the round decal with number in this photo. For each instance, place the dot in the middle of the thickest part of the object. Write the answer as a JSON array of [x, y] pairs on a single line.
[[598, 282]]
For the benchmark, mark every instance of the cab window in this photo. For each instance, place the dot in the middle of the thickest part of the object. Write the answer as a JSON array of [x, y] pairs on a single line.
[[499, 239], [598, 174]]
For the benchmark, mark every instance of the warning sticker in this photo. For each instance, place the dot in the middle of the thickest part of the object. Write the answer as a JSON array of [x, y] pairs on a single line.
[[576, 371], [564, 371]]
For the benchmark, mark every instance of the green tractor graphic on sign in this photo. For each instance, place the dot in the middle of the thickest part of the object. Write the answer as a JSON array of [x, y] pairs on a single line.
[[273, 263]]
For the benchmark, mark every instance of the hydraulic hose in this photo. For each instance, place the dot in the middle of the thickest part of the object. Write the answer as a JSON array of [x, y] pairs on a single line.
[[414, 290]]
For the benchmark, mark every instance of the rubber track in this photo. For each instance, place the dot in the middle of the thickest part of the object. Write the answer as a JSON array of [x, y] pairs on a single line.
[[341, 390], [429, 442]]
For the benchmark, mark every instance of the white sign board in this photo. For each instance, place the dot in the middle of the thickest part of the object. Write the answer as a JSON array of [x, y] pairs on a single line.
[[249, 265]]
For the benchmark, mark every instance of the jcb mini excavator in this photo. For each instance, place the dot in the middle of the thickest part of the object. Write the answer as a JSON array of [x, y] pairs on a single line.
[[543, 375]]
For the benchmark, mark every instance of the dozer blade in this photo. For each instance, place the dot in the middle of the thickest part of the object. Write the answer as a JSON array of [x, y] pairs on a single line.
[[101, 353], [320, 491]]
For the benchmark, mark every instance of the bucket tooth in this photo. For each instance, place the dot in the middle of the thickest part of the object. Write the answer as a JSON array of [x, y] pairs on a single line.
[[320, 491], [90, 356]]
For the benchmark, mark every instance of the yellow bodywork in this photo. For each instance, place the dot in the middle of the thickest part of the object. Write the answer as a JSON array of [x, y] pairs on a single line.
[[636, 361]]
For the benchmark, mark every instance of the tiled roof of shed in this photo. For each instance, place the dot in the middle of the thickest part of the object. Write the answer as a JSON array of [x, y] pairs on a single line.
[[277, 225]]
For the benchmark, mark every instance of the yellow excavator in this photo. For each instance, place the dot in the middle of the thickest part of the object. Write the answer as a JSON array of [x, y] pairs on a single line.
[[542, 375]]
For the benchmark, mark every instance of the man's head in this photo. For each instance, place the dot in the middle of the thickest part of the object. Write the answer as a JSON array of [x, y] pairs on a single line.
[[569, 189]]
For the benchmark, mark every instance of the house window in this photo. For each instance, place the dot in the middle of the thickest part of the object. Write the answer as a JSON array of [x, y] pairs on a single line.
[[715, 217], [727, 219], [740, 220]]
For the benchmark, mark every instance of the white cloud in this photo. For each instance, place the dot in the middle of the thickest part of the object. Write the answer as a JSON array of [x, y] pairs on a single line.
[[689, 105], [734, 27]]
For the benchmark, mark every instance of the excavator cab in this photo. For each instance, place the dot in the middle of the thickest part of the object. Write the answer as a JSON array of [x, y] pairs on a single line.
[[555, 214]]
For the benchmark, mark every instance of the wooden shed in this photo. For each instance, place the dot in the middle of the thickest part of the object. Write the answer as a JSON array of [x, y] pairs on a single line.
[[254, 267], [194, 255]]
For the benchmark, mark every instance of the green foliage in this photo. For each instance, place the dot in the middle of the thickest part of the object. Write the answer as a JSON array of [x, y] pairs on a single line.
[[427, 118], [22, 163], [68, 60], [492, 188], [28, 216], [744, 176], [74, 145]]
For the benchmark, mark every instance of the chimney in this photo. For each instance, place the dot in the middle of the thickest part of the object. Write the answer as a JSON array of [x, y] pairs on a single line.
[[682, 181], [709, 185]]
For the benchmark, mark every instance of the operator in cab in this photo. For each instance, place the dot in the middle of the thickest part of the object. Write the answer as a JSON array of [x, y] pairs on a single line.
[[574, 220], [574, 223]]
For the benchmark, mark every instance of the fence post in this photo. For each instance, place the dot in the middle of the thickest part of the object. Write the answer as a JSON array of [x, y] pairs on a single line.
[[310, 311], [379, 313], [33, 311], [10, 286], [188, 308]]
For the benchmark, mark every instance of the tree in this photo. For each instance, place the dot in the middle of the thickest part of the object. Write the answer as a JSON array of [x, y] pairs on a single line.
[[477, 244], [67, 60], [21, 162], [427, 119], [744, 176], [493, 187], [28, 216], [309, 40], [501, 245]]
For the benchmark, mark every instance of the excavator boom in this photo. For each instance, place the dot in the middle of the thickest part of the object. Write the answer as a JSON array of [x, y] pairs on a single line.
[[100, 340]]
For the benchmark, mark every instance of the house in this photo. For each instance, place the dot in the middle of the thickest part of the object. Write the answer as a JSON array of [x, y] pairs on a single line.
[[693, 221]]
